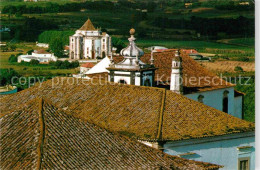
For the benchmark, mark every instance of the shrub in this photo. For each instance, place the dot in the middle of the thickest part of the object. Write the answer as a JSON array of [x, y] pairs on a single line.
[[225, 57], [30, 52], [238, 69], [12, 47], [64, 64], [34, 62], [245, 59], [12, 58]]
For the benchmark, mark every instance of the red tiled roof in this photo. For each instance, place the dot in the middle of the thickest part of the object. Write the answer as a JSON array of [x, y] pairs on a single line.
[[145, 113], [204, 80], [189, 51], [40, 135], [87, 65], [195, 77], [41, 51], [88, 26]]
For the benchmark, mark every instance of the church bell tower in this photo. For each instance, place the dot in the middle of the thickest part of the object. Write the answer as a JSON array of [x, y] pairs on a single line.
[[176, 75]]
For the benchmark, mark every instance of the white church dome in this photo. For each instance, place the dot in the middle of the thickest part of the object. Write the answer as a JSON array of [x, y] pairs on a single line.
[[132, 50]]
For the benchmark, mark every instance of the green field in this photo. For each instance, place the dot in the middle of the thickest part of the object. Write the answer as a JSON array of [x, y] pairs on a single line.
[[39, 70]]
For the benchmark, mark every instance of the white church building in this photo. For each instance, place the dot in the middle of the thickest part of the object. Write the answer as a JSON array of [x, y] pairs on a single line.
[[89, 43]]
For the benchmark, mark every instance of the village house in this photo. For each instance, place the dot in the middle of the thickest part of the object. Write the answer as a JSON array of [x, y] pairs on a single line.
[[89, 43], [43, 45], [41, 55], [85, 67], [157, 117], [174, 70]]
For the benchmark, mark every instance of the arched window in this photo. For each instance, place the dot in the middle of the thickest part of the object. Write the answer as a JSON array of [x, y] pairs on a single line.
[[103, 54], [72, 55], [122, 81], [200, 98], [225, 101]]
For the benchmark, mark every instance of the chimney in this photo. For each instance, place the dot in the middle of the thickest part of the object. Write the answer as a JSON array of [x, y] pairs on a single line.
[[176, 75]]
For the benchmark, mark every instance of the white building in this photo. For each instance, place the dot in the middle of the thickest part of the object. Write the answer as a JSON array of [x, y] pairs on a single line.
[[89, 43], [132, 70], [44, 45], [41, 55]]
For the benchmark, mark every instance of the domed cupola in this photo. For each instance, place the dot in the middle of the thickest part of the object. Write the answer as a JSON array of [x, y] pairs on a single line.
[[132, 70], [132, 50]]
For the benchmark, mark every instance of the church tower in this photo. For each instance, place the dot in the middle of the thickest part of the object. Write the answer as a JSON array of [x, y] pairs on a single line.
[[176, 75], [89, 42], [132, 70]]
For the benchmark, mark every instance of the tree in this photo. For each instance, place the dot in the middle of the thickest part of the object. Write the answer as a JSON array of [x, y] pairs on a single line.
[[12, 47], [238, 69], [6, 76], [12, 58], [118, 43], [56, 46]]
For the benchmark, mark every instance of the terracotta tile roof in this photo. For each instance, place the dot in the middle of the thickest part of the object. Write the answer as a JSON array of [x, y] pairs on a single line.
[[41, 51], [238, 93], [145, 113], [88, 26], [39, 135], [195, 77], [99, 76], [87, 65], [204, 80]]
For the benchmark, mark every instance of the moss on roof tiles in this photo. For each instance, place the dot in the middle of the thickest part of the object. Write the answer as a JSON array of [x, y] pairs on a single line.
[[133, 109], [70, 143]]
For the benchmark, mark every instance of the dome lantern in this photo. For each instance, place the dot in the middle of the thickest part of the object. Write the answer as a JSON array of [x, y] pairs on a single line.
[[132, 50]]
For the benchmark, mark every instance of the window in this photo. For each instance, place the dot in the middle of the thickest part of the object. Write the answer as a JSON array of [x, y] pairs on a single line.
[[122, 81], [200, 98], [147, 82], [243, 163], [225, 101], [104, 40], [87, 50]]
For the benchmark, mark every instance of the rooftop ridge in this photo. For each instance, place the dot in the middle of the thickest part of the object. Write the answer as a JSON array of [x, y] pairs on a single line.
[[159, 135], [42, 133]]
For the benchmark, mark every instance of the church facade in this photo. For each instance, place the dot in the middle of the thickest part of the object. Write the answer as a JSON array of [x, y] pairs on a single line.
[[89, 43]]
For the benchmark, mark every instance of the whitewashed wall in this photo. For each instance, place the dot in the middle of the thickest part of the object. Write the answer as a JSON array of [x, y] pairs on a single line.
[[118, 78], [88, 45], [214, 98], [238, 104], [221, 150]]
